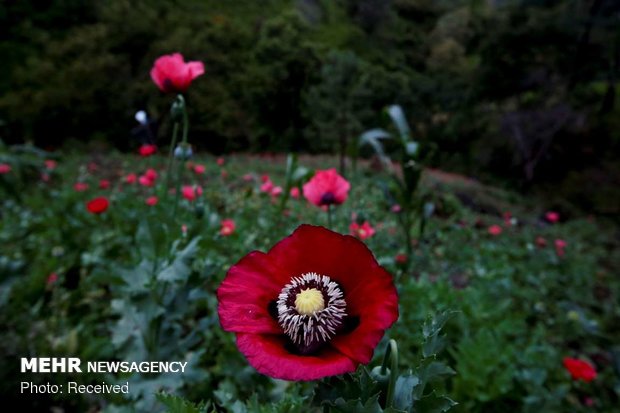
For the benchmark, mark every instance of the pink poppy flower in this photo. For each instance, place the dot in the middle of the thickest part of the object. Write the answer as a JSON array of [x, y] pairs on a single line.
[[147, 150], [552, 217], [50, 164], [276, 191], [295, 192], [264, 178], [396, 208], [560, 244], [80, 186], [146, 181], [52, 278], [248, 177], [363, 231], [131, 178], [172, 75], [5, 168], [151, 174], [494, 230], [220, 161], [400, 259], [151, 201], [190, 192], [326, 188], [199, 169], [267, 186], [228, 227]]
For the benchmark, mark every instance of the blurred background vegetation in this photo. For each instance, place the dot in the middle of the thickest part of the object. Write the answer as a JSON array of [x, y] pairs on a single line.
[[522, 92]]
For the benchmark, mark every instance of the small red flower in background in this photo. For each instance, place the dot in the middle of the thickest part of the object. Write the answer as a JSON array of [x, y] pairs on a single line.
[[199, 169], [172, 75], [97, 205], [224, 174], [396, 208], [363, 231], [541, 242], [248, 177], [560, 244], [579, 369], [276, 191], [149, 177], [104, 184], [267, 186], [220, 161], [131, 178], [50, 164], [92, 167], [295, 192], [400, 259], [147, 150], [552, 217], [494, 230], [52, 278], [326, 188], [190, 192], [5, 168], [80, 186], [151, 201], [315, 305], [228, 227]]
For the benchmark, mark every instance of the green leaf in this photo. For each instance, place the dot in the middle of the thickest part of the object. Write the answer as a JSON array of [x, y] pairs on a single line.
[[398, 117], [373, 138], [434, 404], [176, 404], [403, 391], [179, 269]]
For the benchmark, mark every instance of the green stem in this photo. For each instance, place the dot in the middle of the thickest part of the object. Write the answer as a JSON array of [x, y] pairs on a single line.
[[329, 216], [182, 163], [175, 133], [391, 353]]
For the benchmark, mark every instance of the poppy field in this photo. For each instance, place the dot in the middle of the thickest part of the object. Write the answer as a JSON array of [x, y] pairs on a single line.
[[347, 206], [498, 305]]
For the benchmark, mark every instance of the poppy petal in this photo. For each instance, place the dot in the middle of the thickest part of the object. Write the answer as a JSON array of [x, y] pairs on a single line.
[[268, 355], [244, 295]]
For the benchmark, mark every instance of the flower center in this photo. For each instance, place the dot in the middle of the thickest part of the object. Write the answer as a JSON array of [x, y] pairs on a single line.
[[311, 310], [309, 301]]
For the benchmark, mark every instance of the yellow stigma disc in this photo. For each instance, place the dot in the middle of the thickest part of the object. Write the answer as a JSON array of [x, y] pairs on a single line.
[[308, 302]]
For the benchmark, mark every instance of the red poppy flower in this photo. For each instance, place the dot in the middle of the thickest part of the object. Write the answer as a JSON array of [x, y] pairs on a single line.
[[363, 231], [228, 227], [315, 305], [104, 184], [199, 169], [494, 230], [151, 201], [220, 161], [171, 74], [97, 205], [326, 188], [541, 242], [295, 192], [5, 168], [52, 278], [267, 186], [579, 369], [276, 191], [147, 150]]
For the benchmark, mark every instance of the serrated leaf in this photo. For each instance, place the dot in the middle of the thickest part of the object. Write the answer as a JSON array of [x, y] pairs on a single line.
[[434, 404], [403, 391], [179, 269], [176, 404]]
